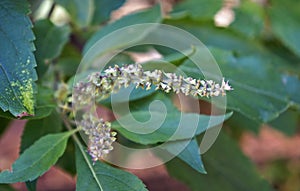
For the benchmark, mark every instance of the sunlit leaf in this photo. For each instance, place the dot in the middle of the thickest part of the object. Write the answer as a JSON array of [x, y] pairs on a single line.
[[17, 62]]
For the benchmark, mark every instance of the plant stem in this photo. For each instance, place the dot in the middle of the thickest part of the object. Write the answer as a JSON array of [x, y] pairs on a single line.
[[51, 10], [78, 143]]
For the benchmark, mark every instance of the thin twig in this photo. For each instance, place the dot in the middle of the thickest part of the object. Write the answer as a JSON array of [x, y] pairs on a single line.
[[51, 10]]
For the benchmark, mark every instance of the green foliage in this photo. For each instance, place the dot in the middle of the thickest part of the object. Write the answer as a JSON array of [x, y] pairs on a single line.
[[35, 129], [197, 9], [103, 9], [287, 122], [175, 125], [228, 169], [259, 53], [147, 16], [81, 12], [37, 159], [285, 25], [44, 105], [31, 185], [268, 86], [101, 176], [190, 153], [249, 19], [17, 61], [6, 187], [49, 43]]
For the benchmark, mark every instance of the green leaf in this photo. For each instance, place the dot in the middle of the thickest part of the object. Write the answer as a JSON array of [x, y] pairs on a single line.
[[17, 62], [291, 84], [197, 9], [35, 129], [67, 161], [249, 19], [68, 61], [102, 177], [285, 24], [190, 153], [37, 159], [179, 58], [103, 9], [213, 36], [288, 122], [5, 187], [241, 121], [4, 123], [152, 15], [31, 185], [81, 12], [166, 125], [34, 5], [133, 92], [228, 170], [259, 92], [40, 112], [268, 87], [50, 40], [45, 105]]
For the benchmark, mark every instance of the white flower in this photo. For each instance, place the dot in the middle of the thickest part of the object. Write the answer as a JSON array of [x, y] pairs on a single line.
[[100, 137]]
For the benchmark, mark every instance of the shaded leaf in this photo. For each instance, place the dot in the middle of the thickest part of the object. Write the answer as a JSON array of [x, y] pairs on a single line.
[[68, 61], [103, 9], [4, 123], [288, 122], [285, 24], [291, 84], [190, 153], [50, 40], [81, 12], [213, 36], [35, 129], [101, 176], [31, 185], [162, 125], [37, 159], [34, 5], [249, 19], [133, 92], [179, 58], [260, 96], [197, 9], [67, 161], [6, 187], [241, 121], [151, 15], [17, 62], [228, 170]]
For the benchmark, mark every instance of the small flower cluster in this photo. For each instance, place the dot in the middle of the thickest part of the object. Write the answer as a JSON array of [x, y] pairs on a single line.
[[114, 78], [100, 137], [102, 85]]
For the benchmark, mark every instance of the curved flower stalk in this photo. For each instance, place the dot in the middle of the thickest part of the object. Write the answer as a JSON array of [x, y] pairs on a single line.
[[101, 85]]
